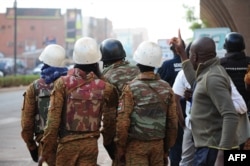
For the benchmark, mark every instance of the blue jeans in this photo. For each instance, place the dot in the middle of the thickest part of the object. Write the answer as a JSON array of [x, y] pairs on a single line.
[[205, 156]]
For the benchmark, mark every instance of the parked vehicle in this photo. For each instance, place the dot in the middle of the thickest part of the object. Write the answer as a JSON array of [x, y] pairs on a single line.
[[37, 69], [7, 66], [70, 66]]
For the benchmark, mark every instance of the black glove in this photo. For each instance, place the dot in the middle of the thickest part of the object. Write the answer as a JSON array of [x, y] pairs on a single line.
[[111, 150], [34, 154]]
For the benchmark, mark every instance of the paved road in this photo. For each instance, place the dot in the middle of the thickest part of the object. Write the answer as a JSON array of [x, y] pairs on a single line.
[[13, 151]]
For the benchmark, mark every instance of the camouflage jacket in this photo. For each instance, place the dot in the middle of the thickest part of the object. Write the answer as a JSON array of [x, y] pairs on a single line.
[[129, 103], [33, 117], [58, 103], [42, 92], [120, 73]]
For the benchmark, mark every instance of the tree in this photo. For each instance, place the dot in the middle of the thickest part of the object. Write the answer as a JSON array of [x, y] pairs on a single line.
[[195, 22]]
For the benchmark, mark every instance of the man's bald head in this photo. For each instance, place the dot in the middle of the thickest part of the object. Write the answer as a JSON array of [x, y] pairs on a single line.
[[201, 50], [204, 47]]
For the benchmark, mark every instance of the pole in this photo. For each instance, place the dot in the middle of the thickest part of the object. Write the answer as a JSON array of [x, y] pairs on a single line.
[[15, 36]]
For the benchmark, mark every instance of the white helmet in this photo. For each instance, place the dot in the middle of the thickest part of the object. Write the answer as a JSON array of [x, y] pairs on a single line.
[[148, 54], [53, 55], [86, 51]]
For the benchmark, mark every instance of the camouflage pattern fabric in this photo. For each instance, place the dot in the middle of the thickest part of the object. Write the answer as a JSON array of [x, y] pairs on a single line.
[[42, 93], [128, 104], [144, 153], [58, 103], [78, 153], [32, 132], [247, 145], [120, 73], [28, 117], [148, 119], [83, 105]]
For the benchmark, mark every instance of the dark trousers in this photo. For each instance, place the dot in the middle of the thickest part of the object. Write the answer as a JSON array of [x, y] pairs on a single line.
[[176, 150], [205, 156]]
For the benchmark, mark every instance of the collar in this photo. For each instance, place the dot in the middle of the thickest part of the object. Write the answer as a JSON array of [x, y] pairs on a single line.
[[235, 55], [206, 65], [119, 63], [82, 74], [150, 75], [115, 65]]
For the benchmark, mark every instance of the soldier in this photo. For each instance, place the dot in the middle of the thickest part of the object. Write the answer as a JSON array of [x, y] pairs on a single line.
[[236, 62], [36, 100], [77, 105], [147, 121], [117, 72]]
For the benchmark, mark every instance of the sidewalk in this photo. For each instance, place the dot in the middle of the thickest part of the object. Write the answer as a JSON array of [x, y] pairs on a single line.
[[18, 148], [7, 89], [103, 157], [12, 143]]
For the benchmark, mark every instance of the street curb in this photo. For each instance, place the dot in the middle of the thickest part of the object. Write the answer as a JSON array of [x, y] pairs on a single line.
[[7, 89]]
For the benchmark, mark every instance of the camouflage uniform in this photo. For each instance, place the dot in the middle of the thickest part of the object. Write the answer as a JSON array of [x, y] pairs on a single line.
[[146, 128], [119, 73], [76, 107], [34, 115]]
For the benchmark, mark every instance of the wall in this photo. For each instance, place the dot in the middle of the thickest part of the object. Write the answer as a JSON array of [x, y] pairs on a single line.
[[228, 13]]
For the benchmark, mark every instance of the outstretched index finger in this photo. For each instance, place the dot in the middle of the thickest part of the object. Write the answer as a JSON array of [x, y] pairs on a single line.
[[179, 34]]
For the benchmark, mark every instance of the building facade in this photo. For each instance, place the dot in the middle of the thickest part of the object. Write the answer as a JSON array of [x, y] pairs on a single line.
[[35, 29], [130, 39], [98, 28], [38, 27], [228, 13]]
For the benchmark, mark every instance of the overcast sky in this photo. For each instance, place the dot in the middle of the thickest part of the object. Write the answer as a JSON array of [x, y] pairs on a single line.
[[162, 18]]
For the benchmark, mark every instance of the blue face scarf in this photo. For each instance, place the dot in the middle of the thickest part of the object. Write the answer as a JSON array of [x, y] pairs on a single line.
[[50, 74]]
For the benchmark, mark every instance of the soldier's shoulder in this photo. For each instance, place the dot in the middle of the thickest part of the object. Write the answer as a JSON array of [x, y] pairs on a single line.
[[59, 83], [108, 85]]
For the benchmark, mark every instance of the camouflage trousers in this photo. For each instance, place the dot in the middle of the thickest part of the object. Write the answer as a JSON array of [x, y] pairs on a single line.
[[51, 161], [141, 153], [247, 145], [81, 152]]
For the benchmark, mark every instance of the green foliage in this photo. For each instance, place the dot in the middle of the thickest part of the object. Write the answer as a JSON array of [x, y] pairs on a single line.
[[195, 25], [195, 22], [205, 23], [190, 17], [11, 81]]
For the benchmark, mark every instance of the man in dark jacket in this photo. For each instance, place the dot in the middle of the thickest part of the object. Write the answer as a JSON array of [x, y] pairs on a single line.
[[235, 62]]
